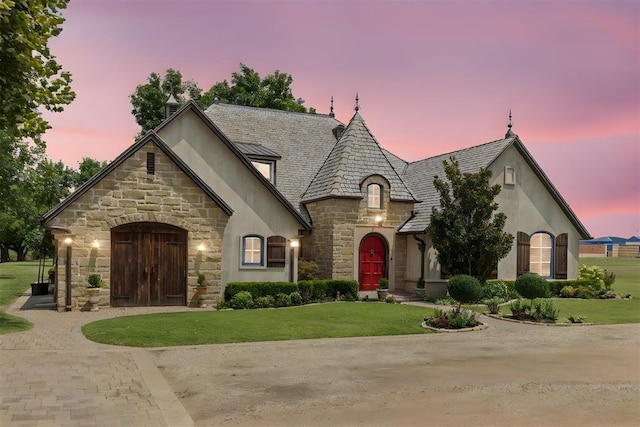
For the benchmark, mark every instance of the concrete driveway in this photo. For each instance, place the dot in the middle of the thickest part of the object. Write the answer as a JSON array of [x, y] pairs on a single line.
[[506, 374]]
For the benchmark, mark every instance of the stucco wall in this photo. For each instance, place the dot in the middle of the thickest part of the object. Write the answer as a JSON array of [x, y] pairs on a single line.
[[255, 209], [530, 208], [128, 194]]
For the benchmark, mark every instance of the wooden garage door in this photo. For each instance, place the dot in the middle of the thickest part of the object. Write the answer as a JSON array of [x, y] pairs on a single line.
[[148, 265]]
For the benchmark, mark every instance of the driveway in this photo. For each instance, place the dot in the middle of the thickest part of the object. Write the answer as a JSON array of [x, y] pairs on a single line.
[[506, 374]]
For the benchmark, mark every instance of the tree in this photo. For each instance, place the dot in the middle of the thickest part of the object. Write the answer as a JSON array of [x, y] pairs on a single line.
[[30, 78], [247, 88], [466, 231], [87, 168]]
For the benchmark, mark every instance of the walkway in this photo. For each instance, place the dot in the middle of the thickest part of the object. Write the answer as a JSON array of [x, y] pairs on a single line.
[[53, 376]]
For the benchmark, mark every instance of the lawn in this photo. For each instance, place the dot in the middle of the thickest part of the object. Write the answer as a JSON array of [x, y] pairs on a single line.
[[610, 311], [331, 320], [15, 278]]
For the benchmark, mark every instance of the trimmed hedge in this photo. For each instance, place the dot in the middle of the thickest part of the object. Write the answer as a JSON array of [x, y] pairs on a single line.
[[259, 289], [309, 290]]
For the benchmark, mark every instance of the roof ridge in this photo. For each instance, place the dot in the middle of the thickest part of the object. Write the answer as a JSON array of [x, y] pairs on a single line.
[[273, 110], [474, 147]]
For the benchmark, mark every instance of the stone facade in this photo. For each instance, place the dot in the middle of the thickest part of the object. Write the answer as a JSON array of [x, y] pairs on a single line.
[[129, 194], [339, 224]]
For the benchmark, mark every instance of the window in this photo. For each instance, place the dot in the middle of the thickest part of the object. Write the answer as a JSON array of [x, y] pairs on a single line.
[[265, 168], [252, 251], [509, 175], [374, 196], [276, 251], [540, 250]]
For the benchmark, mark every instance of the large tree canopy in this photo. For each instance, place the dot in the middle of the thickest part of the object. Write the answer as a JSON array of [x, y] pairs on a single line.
[[247, 88], [466, 231], [30, 77]]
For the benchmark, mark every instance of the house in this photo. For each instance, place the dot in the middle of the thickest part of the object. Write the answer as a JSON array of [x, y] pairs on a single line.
[[241, 194]]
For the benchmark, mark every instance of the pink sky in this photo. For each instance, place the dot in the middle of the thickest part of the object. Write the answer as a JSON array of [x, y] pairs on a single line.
[[432, 76]]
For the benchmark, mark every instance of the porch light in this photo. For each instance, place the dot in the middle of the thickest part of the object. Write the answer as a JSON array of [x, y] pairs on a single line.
[[201, 247], [68, 241], [378, 219], [95, 244], [295, 243]]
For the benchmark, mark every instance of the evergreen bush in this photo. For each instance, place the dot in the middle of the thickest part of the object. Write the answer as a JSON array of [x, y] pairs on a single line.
[[532, 286], [242, 301], [464, 289]]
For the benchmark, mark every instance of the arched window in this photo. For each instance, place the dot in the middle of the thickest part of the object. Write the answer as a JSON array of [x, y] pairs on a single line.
[[374, 196], [541, 251]]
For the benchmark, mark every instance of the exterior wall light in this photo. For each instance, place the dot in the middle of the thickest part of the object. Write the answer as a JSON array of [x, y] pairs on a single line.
[[68, 241], [295, 243], [95, 244], [378, 219], [201, 247]]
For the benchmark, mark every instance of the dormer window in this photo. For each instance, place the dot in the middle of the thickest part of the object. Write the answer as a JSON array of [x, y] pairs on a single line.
[[265, 168], [374, 196]]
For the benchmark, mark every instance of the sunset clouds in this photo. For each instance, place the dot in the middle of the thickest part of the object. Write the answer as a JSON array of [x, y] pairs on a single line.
[[432, 76]]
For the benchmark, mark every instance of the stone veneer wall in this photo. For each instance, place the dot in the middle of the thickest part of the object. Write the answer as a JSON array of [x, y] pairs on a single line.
[[128, 194], [334, 222]]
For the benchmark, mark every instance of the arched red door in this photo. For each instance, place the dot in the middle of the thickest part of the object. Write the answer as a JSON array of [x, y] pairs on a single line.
[[373, 262]]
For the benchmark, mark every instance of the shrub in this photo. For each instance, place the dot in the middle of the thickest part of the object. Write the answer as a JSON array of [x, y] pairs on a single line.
[[296, 298], [543, 310], [532, 286], [493, 304], [308, 269], [345, 287], [383, 283], [241, 301], [454, 319], [495, 289], [595, 275], [576, 319], [568, 292], [283, 300], [264, 302], [390, 299], [259, 289], [585, 292], [464, 289], [519, 309], [609, 279]]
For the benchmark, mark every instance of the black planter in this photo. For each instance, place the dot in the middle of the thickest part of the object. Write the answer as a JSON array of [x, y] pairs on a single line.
[[40, 288]]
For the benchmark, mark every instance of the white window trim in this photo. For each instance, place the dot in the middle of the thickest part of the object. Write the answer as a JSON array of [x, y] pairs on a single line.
[[509, 175], [257, 163], [262, 264]]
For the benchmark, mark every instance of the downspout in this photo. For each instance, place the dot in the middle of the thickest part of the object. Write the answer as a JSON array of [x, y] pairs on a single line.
[[422, 246], [68, 278]]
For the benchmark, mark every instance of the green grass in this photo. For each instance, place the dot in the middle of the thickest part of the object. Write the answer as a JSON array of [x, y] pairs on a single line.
[[603, 312], [15, 278], [331, 320]]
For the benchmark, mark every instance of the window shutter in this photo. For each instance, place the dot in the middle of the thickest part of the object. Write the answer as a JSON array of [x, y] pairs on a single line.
[[276, 251], [561, 254], [523, 253]]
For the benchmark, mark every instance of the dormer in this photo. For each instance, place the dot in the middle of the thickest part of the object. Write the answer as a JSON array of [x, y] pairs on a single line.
[[262, 158]]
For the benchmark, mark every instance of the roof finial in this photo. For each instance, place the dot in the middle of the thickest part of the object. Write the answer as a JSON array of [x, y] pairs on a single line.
[[331, 114], [509, 126], [357, 108]]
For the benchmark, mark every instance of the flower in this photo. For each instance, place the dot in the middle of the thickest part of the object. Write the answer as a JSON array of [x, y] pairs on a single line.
[[202, 281]]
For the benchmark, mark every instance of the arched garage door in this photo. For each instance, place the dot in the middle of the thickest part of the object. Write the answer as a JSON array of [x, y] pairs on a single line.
[[148, 265]]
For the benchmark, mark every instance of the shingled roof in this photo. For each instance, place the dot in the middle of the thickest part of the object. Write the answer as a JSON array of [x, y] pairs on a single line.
[[302, 141], [355, 156], [419, 176]]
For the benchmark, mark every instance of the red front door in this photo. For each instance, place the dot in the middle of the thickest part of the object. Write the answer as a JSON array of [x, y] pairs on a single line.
[[373, 258]]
